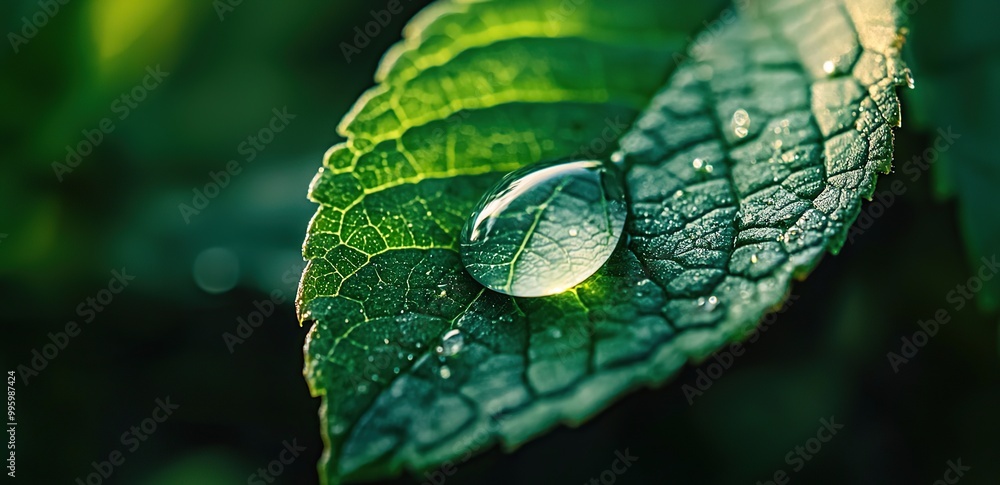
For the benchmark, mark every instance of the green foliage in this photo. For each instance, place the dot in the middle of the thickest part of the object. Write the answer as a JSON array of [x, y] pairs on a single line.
[[742, 172], [964, 166]]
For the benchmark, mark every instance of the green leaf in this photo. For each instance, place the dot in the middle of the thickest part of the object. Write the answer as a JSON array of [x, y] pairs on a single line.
[[955, 47], [742, 172]]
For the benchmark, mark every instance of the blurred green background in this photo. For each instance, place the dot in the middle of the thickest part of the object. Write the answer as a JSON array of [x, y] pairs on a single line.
[[163, 335]]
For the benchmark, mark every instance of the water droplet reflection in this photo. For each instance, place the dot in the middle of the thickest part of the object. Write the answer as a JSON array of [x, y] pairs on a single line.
[[545, 228]]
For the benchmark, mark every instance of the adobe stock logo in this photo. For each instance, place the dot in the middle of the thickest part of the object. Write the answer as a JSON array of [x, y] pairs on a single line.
[[249, 148], [87, 310], [223, 7], [801, 454], [122, 106], [31, 25], [959, 298], [267, 474], [132, 439], [953, 473], [623, 461], [372, 29]]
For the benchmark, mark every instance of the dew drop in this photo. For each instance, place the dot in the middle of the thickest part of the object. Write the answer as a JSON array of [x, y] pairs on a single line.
[[908, 79], [216, 270], [445, 372], [741, 123], [829, 67], [753, 259], [708, 304], [741, 117], [451, 343], [516, 241]]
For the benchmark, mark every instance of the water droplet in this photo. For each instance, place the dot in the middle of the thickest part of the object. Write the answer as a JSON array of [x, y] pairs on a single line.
[[708, 304], [386, 341], [702, 166], [908, 78], [216, 270], [409, 356], [741, 123], [516, 240], [741, 117], [339, 428], [445, 372], [451, 343], [753, 259], [829, 67]]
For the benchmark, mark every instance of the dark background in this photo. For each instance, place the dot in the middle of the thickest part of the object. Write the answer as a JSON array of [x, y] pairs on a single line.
[[162, 336]]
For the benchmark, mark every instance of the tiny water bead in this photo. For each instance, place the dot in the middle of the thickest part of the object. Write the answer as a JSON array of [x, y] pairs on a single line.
[[545, 228], [451, 343], [741, 123]]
